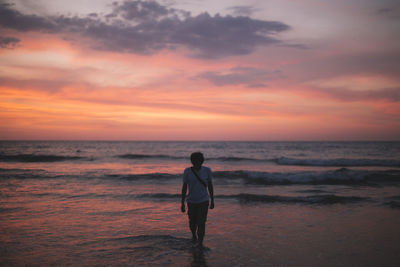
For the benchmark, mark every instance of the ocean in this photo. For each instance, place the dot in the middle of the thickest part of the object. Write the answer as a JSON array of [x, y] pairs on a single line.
[[100, 203]]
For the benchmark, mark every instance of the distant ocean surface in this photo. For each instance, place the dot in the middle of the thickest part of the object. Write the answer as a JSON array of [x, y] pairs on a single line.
[[86, 203]]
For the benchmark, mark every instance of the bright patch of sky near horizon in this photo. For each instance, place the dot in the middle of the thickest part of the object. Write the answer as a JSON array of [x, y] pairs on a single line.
[[250, 70]]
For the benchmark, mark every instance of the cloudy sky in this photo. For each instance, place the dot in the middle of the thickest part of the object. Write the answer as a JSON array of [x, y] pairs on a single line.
[[200, 69]]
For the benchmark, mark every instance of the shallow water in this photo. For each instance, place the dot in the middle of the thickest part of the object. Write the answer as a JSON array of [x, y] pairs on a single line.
[[101, 209]]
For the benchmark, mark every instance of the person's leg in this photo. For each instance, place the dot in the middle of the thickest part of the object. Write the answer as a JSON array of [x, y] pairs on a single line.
[[192, 213], [202, 218]]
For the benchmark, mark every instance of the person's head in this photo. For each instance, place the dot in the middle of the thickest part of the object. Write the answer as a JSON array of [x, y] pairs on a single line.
[[197, 158]]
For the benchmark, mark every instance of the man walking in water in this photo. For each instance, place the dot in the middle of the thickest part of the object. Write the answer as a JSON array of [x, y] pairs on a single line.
[[198, 178]]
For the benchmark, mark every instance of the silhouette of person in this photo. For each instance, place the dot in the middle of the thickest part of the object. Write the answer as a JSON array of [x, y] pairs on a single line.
[[198, 178]]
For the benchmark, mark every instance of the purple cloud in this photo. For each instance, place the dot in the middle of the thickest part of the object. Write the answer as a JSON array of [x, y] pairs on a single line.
[[148, 27], [345, 94], [8, 42], [242, 10], [251, 77]]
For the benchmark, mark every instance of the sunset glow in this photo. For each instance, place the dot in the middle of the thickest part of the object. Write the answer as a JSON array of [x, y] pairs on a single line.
[[198, 70]]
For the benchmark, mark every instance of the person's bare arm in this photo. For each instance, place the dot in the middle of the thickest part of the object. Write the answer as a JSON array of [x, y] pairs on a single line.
[[184, 190], [211, 191]]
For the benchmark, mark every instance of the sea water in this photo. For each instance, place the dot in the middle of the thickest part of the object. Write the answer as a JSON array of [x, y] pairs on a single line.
[[86, 203]]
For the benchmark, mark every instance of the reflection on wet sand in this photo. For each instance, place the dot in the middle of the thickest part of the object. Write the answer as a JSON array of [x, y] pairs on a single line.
[[198, 257]]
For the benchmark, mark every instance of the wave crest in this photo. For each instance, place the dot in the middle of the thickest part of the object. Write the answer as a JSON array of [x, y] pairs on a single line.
[[146, 156], [332, 177], [36, 158], [340, 162], [339, 176], [254, 198]]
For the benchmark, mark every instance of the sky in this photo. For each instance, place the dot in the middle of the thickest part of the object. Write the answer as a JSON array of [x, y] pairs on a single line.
[[262, 70]]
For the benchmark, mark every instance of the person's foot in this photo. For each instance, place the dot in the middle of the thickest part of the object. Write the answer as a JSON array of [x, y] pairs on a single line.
[[198, 245], [194, 240]]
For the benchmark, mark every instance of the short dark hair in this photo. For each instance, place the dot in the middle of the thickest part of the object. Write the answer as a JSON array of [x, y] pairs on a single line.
[[197, 158]]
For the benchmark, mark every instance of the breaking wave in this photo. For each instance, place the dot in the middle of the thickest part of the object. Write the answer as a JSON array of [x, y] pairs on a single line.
[[340, 162], [36, 158], [339, 176], [253, 198], [161, 156], [149, 176], [236, 159], [286, 161], [146, 156], [394, 202]]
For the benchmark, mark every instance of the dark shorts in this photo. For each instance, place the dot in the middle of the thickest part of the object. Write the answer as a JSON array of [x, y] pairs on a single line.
[[198, 212]]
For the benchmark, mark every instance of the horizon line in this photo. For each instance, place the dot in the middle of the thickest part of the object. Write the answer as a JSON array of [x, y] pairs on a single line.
[[144, 140]]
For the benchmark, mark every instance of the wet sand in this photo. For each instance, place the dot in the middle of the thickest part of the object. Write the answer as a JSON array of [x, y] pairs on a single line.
[[95, 229]]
